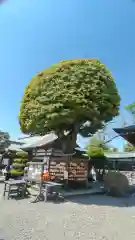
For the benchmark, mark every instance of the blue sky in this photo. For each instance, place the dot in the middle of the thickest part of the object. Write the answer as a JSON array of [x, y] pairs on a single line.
[[37, 33]]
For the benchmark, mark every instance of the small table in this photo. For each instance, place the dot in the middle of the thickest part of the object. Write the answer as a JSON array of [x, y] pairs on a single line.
[[52, 189], [46, 187], [15, 187]]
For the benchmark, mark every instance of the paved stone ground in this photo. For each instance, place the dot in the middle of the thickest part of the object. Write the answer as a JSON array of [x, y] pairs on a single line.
[[87, 217]]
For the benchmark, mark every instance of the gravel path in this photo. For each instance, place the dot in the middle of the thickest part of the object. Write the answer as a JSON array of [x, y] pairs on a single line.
[[91, 217]]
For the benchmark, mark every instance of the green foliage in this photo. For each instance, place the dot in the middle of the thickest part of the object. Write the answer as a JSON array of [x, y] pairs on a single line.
[[17, 160], [20, 160], [131, 109], [22, 154], [24, 160], [67, 95], [19, 164], [129, 148], [96, 148], [4, 141], [15, 172], [95, 151]]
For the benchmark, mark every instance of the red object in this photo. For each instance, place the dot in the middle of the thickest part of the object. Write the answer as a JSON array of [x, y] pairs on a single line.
[[45, 176]]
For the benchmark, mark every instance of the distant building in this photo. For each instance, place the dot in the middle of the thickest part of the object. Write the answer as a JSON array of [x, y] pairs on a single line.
[[123, 161], [118, 160], [128, 133]]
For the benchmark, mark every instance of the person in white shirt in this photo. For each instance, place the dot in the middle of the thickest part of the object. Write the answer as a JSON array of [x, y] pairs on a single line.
[[93, 173]]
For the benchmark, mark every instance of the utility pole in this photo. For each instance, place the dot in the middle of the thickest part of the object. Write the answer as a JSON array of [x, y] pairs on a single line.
[[124, 125]]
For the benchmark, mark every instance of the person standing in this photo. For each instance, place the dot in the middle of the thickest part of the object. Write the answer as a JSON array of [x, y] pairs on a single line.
[[7, 175]]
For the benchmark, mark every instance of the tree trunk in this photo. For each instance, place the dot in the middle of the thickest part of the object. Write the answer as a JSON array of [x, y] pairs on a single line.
[[69, 140], [72, 136]]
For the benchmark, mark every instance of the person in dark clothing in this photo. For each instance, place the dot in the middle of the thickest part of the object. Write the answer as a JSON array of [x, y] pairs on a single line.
[[7, 176]]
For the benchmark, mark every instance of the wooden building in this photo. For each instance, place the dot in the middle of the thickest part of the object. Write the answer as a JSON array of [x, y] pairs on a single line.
[[123, 161], [128, 133], [60, 165]]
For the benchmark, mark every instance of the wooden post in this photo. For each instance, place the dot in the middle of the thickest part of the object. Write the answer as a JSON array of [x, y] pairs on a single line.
[[66, 172], [41, 182]]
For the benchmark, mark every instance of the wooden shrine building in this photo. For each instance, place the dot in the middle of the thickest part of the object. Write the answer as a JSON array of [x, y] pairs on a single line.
[[60, 165], [128, 133], [123, 160]]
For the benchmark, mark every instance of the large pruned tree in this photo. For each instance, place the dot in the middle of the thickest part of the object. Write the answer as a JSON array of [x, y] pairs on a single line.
[[74, 96]]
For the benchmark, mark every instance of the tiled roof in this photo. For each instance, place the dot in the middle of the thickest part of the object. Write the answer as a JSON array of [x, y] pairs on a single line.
[[39, 141], [128, 133], [114, 154], [14, 147], [30, 139], [124, 129], [120, 155]]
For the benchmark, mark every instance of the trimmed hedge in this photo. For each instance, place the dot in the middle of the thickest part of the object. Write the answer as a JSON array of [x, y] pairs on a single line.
[[17, 160], [15, 173], [22, 154], [19, 164]]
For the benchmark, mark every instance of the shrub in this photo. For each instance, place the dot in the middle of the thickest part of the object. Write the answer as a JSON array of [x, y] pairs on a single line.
[[17, 160], [24, 160], [14, 172], [22, 154], [19, 164]]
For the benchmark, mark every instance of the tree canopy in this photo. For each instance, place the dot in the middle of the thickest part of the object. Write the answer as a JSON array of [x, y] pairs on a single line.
[[4, 141], [131, 109], [67, 96], [95, 150], [129, 148], [97, 147]]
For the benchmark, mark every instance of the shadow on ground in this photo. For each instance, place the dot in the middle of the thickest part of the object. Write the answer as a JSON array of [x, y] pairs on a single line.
[[103, 200]]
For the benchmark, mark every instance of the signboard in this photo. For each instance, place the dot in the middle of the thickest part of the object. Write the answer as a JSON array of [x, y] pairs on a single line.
[[73, 170], [57, 167], [78, 170]]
